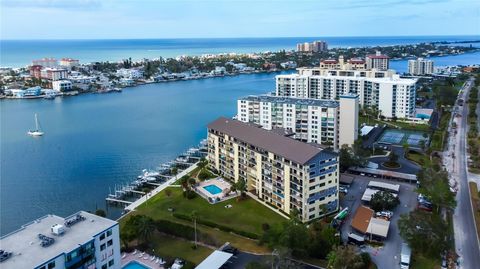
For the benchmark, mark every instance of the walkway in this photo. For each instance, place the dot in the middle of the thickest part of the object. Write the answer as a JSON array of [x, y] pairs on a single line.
[[408, 167], [160, 188]]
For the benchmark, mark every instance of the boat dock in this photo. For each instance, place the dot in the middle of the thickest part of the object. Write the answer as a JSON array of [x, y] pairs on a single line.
[[151, 182]]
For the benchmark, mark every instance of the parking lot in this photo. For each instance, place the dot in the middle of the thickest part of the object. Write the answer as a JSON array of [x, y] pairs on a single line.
[[386, 256]]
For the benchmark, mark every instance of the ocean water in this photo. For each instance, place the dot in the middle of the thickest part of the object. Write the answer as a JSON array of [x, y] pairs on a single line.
[[96, 141], [18, 53]]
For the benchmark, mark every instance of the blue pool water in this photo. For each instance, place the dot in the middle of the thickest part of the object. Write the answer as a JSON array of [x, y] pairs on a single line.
[[134, 265], [213, 189]]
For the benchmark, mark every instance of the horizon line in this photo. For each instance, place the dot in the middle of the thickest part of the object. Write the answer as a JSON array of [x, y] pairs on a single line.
[[251, 37]]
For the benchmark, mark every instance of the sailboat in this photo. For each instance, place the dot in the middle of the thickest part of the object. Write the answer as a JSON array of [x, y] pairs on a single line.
[[37, 131]]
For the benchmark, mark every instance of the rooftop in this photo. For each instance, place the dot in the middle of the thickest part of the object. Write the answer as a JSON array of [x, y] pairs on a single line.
[[25, 244], [361, 220], [378, 227], [288, 148], [215, 260], [291, 100]]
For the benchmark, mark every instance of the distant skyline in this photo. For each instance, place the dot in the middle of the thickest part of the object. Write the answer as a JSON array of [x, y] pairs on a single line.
[[119, 19]]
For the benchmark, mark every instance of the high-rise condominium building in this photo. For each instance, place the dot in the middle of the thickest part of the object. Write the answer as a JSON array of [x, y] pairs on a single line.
[[377, 61], [392, 96], [420, 67], [315, 46], [284, 173], [83, 240], [325, 122]]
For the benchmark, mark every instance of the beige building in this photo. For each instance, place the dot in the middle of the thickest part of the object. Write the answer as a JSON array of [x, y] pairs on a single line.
[[315, 46], [348, 120], [378, 61], [325, 122], [283, 173], [393, 96], [420, 67]]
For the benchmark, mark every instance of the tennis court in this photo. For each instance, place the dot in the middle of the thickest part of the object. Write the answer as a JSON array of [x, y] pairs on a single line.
[[400, 137]]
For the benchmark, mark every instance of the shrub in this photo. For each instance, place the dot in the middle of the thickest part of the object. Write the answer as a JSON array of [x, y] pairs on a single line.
[[218, 226], [204, 174]]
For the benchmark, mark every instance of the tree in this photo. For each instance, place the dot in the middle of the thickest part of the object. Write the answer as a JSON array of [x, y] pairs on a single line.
[[383, 200], [101, 213], [434, 185], [345, 257], [425, 232], [241, 186], [145, 228], [137, 226], [393, 157], [349, 158]]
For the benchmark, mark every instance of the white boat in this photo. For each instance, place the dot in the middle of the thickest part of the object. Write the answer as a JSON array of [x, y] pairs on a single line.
[[37, 131]]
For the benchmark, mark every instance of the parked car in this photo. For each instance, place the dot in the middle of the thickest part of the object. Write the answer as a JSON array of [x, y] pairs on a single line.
[[230, 249], [384, 214]]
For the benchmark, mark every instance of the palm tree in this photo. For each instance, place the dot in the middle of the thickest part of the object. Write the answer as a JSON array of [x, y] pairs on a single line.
[[146, 227], [194, 218]]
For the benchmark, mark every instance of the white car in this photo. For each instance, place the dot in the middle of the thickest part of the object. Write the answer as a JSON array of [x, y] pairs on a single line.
[[384, 214]]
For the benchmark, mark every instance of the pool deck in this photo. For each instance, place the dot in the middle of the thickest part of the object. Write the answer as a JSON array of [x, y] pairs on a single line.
[[144, 259], [222, 184]]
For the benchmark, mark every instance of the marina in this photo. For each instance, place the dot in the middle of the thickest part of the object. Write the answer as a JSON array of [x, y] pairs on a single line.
[[151, 182]]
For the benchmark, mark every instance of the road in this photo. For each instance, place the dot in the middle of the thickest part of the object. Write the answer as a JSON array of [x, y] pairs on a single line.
[[466, 240]]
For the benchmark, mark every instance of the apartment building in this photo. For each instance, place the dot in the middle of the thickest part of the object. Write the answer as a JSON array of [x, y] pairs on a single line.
[[315, 46], [325, 122], [377, 61], [83, 240], [283, 173], [393, 96], [354, 67], [420, 67]]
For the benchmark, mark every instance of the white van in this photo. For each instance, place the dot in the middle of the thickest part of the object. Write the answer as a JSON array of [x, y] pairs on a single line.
[[405, 256]]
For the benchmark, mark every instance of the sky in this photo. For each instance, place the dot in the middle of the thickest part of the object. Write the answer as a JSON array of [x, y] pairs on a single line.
[[111, 19]]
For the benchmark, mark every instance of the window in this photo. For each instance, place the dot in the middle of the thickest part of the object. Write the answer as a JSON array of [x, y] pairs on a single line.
[[51, 265], [102, 246], [109, 242], [110, 263], [104, 266], [109, 232], [102, 236]]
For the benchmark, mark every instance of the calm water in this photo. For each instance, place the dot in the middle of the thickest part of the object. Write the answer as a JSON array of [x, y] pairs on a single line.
[[93, 141], [16, 53]]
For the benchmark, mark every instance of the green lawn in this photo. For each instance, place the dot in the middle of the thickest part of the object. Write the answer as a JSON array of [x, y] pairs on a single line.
[[169, 248], [247, 215], [421, 159], [422, 262]]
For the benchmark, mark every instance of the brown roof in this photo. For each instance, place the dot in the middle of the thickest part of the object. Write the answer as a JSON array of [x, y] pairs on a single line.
[[288, 148], [362, 218], [374, 56]]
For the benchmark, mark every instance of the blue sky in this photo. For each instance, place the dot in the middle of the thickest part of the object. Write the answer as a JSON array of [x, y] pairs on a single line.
[[84, 19]]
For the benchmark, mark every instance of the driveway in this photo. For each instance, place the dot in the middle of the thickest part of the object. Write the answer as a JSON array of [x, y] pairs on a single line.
[[388, 255], [408, 167]]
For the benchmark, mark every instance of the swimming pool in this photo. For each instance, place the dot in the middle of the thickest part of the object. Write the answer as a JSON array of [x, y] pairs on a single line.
[[213, 189], [135, 265]]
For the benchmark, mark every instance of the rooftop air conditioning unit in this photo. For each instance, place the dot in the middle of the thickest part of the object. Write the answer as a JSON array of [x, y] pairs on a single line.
[[58, 229]]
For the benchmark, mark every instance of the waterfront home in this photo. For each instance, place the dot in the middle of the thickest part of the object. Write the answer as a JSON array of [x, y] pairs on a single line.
[[127, 82], [62, 85], [24, 93], [132, 73]]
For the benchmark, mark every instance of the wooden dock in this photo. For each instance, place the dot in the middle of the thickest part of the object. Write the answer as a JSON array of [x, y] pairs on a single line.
[[113, 200]]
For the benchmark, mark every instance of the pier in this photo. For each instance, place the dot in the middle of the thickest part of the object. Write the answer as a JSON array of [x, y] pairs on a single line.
[[118, 201]]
